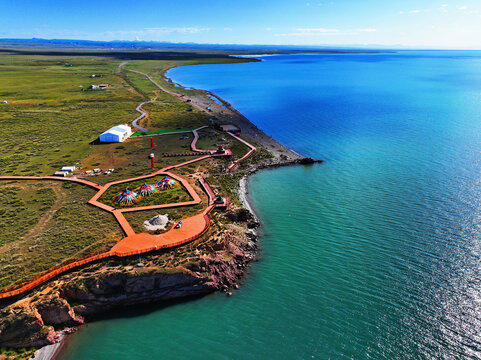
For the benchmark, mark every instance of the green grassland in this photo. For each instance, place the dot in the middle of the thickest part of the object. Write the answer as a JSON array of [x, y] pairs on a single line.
[[210, 139], [226, 185], [177, 194], [74, 231], [173, 114], [22, 207], [144, 86], [157, 132], [49, 121]]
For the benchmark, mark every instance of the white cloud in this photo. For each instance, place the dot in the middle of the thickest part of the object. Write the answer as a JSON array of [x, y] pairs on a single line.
[[464, 7], [367, 30], [227, 29], [316, 30], [418, 11], [268, 29]]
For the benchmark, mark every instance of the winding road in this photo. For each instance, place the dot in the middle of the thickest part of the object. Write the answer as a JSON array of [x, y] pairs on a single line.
[[142, 115], [142, 112]]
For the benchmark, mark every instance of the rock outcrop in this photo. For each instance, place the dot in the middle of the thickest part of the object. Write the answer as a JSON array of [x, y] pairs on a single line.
[[95, 295], [22, 327], [90, 292], [57, 311]]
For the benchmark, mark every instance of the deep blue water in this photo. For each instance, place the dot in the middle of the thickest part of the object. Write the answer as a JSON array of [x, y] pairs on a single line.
[[375, 254]]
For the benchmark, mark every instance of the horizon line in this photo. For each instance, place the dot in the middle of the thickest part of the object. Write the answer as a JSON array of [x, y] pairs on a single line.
[[337, 46]]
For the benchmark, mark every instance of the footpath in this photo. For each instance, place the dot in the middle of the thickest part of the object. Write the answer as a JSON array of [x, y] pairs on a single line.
[[136, 243]]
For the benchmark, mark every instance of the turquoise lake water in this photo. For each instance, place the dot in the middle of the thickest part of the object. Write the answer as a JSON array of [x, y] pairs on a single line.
[[375, 254]]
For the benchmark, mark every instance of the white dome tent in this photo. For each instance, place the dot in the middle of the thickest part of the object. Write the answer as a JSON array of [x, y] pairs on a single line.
[[117, 133]]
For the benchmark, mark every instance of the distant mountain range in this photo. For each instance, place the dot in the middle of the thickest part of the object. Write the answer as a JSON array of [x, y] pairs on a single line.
[[156, 45]]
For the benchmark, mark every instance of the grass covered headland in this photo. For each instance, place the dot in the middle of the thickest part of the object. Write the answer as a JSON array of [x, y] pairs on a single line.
[[52, 119]]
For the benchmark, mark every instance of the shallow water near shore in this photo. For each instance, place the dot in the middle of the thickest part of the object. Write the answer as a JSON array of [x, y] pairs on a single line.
[[375, 254]]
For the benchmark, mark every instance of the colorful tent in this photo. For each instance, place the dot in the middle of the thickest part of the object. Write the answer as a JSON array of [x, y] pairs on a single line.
[[126, 197], [165, 183], [146, 190]]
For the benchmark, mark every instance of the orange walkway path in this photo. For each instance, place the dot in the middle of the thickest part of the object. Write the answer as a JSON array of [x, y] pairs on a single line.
[[249, 153], [193, 145], [208, 190], [133, 243], [192, 227]]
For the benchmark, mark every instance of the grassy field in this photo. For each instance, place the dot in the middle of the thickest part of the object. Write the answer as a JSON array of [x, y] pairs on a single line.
[[72, 230], [23, 204], [173, 114], [210, 139], [156, 132], [226, 185], [177, 194], [49, 121]]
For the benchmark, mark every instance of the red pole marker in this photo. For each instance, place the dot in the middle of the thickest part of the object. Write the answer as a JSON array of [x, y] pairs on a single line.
[[152, 143], [151, 156]]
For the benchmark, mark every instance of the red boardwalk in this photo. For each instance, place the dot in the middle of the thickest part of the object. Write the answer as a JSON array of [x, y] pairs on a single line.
[[132, 244]]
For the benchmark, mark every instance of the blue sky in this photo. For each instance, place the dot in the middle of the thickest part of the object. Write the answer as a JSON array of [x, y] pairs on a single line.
[[429, 23]]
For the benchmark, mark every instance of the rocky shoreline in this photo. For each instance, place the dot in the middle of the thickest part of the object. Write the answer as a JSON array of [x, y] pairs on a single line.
[[84, 295]]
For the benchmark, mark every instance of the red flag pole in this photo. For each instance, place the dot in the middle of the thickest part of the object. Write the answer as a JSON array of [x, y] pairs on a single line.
[[152, 143], [152, 164]]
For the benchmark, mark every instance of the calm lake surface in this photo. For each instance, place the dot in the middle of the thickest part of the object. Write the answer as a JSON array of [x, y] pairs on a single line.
[[375, 254]]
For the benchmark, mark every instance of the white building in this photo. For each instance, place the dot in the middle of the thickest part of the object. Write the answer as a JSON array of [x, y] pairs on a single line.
[[118, 133], [69, 168]]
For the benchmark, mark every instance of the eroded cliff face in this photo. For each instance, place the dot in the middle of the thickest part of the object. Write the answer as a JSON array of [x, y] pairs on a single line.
[[95, 295], [24, 328], [85, 294]]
